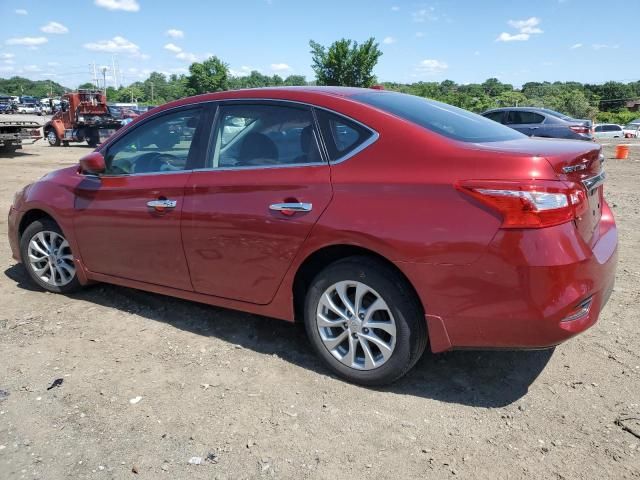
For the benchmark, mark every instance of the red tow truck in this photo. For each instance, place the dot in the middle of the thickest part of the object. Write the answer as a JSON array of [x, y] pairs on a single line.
[[84, 116]]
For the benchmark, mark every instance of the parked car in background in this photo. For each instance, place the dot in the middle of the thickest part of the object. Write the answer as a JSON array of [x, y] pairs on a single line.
[[607, 130], [33, 108], [566, 117], [631, 130], [536, 122], [383, 221]]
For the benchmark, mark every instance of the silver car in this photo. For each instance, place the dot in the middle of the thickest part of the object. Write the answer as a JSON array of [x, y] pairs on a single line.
[[607, 130]]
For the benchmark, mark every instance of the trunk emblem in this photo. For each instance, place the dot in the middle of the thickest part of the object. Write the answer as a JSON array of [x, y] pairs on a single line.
[[575, 168]]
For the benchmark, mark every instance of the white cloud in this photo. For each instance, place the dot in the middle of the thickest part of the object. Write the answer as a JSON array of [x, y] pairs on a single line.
[[242, 72], [172, 48], [389, 40], [174, 33], [431, 66], [54, 27], [530, 25], [125, 5], [115, 45], [395, 8], [575, 45], [419, 34], [424, 14], [525, 29], [6, 68], [21, 11], [600, 46], [27, 41], [280, 67], [53, 64], [6, 56], [31, 68], [189, 57], [507, 37]]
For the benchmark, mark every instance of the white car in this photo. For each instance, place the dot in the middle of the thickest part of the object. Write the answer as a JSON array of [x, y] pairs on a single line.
[[607, 130], [632, 130], [29, 108]]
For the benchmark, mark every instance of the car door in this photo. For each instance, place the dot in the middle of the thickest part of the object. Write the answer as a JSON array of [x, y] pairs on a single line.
[[248, 212], [527, 122], [127, 220]]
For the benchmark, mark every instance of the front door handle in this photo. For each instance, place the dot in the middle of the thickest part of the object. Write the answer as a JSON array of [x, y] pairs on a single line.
[[162, 204], [291, 208]]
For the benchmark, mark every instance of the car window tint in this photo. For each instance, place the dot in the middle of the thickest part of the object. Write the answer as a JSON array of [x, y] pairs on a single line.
[[162, 144], [495, 116], [598, 128], [264, 135], [341, 135], [452, 122], [520, 117]]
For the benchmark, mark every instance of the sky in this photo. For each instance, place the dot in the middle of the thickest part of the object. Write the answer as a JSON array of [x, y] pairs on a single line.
[[466, 41]]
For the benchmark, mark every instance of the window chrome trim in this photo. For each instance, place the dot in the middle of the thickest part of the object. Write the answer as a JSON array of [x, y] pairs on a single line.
[[221, 101], [371, 140]]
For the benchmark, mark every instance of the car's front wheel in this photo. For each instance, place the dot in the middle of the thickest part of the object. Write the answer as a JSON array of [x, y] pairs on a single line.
[[52, 138], [365, 321], [48, 258]]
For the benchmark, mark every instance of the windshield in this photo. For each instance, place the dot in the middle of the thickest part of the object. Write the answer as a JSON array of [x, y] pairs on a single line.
[[452, 122]]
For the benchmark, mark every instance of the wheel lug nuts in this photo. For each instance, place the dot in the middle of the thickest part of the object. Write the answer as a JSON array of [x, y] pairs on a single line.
[[361, 316], [354, 335], [365, 330]]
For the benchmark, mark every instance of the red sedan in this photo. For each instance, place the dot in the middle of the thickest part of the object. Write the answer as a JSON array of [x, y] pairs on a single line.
[[383, 221]]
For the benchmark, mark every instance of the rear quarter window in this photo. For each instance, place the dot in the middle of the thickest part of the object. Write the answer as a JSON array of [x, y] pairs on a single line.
[[342, 136], [443, 119]]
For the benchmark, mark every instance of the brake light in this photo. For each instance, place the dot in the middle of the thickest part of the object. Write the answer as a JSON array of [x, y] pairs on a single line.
[[529, 203], [580, 129]]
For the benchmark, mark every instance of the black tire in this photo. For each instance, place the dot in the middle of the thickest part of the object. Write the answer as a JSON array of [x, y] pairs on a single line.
[[411, 331], [50, 138], [44, 225]]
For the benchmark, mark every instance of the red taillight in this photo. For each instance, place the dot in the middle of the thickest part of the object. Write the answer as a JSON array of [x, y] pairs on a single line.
[[529, 203], [580, 129]]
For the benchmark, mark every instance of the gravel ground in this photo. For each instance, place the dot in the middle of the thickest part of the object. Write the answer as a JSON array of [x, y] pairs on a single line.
[[246, 394]]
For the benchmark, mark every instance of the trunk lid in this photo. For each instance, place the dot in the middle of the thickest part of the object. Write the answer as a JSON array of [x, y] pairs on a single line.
[[574, 161]]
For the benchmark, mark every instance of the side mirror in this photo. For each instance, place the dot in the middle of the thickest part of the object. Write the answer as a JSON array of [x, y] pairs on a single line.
[[92, 164]]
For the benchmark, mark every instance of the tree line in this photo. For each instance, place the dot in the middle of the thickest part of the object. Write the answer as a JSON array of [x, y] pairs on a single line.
[[349, 63]]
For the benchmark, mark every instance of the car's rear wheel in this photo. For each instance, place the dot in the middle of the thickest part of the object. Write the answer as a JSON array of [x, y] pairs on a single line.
[[48, 258], [364, 321]]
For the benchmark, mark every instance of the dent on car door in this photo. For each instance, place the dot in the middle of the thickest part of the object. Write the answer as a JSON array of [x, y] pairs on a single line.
[[247, 214], [128, 219]]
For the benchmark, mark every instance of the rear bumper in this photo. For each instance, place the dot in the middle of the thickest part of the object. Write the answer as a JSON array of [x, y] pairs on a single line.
[[520, 294]]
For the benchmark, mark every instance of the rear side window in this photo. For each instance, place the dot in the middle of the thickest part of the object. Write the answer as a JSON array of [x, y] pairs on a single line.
[[599, 128], [519, 117], [612, 128], [341, 135], [452, 122]]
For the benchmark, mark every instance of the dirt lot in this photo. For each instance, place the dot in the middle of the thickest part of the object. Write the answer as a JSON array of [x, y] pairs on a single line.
[[248, 390]]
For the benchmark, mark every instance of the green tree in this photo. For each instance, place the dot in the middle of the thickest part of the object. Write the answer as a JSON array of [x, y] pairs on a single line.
[[212, 75], [345, 63]]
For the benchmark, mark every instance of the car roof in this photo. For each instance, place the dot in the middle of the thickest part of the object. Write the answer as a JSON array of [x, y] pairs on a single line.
[[521, 109]]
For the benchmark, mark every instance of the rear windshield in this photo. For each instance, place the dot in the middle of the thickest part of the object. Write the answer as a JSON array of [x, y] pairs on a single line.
[[452, 122]]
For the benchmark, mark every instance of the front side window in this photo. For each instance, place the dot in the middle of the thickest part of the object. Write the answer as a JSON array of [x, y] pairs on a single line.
[[264, 135], [162, 144], [520, 117], [495, 116], [341, 135]]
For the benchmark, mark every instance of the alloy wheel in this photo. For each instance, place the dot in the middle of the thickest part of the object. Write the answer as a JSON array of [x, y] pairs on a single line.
[[356, 325], [50, 258]]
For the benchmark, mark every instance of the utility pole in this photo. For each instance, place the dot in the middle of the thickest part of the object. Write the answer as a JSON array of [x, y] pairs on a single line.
[[95, 76], [115, 76], [104, 79]]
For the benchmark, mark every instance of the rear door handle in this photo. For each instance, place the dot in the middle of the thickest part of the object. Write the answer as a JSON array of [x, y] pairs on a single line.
[[291, 208], [162, 204]]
